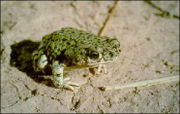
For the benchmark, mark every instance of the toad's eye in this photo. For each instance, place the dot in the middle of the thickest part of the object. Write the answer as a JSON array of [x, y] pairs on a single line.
[[94, 55]]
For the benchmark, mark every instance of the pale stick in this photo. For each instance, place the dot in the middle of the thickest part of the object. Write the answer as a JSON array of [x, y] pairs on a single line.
[[142, 83]]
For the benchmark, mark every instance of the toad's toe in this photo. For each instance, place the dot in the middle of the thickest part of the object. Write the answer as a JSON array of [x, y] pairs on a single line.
[[69, 85]]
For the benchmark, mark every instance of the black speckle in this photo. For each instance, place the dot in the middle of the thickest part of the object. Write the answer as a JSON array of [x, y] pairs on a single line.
[[20, 97], [148, 39], [152, 93], [158, 71], [136, 91], [26, 99], [166, 63], [84, 75], [52, 98], [173, 52], [76, 106], [102, 88], [1, 32], [176, 16], [125, 98], [1, 51], [34, 92]]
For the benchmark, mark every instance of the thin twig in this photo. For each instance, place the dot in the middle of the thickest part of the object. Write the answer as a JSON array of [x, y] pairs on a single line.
[[163, 13], [142, 83], [111, 10]]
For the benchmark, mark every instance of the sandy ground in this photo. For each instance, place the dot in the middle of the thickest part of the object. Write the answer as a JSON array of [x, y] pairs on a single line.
[[149, 50]]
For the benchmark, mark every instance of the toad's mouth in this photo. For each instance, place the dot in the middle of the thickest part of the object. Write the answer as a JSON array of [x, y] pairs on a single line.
[[88, 65]]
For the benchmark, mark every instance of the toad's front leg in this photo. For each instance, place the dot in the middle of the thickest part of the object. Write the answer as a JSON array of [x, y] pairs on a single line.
[[59, 82]]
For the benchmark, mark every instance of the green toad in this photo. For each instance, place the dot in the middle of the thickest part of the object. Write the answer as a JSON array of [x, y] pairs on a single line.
[[73, 48]]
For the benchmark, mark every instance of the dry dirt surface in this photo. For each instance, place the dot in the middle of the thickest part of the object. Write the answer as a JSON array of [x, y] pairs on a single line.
[[149, 37]]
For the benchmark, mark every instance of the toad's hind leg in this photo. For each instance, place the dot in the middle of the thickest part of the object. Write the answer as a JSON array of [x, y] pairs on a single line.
[[57, 70]]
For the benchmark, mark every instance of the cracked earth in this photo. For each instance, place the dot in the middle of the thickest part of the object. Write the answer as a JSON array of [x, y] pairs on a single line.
[[149, 38]]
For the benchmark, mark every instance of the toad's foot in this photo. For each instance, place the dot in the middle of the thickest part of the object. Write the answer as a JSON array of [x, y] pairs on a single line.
[[69, 85], [101, 67], [57, 78]]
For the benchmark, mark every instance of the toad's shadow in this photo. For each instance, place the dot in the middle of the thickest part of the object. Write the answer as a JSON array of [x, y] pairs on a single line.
[[21, 58]]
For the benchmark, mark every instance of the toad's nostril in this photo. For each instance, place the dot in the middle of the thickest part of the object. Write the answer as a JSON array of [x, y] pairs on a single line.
[[106, 57]]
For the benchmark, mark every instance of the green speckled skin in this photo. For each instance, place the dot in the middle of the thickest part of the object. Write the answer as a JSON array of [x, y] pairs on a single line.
[[73, 47]]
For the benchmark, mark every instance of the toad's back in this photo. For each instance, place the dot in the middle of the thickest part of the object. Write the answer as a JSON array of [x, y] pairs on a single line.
[[76, 45]]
